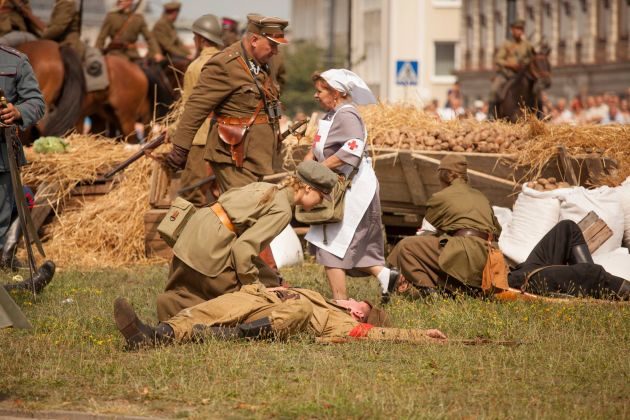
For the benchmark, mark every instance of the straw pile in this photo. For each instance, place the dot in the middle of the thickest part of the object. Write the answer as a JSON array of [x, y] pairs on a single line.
[[107, 231]]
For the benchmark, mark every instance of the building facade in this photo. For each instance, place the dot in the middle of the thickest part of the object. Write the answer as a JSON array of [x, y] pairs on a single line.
[[406, 50], [589, 40]]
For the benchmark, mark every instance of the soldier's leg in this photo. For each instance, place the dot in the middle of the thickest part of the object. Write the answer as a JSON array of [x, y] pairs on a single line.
[[418, 261], [578, 279], [251, 304], [493, 97], [195, 171], [7, 202], [229, 176], [187, 287]]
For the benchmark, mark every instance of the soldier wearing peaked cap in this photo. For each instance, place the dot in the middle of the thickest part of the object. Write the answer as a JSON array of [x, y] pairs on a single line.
[[454, 257], [165, 33], [217, 251], [237, 87]]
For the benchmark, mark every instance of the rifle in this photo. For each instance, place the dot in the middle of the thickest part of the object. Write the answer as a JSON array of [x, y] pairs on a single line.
[[153, 144], [24, 215], [293, 129], [36, 22]]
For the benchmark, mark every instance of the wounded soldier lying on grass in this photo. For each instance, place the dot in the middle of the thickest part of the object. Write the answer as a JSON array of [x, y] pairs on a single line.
[[258, 312]]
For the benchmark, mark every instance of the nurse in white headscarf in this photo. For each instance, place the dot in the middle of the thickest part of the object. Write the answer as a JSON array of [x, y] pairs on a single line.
[[354, 245]]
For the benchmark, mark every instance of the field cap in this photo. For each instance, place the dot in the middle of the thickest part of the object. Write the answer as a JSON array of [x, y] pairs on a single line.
[[518, 23], [318, 176], [229, 24], [268, 26], [455, 163], [377, 316], [172, 6]]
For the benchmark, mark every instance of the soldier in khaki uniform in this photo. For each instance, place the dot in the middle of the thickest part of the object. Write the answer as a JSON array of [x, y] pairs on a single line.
[[454, 258], [236, 87], [64, 26], [207, 37], [11, 19], [165, 33], [217, 251], [258, 312], [511, 58], [123, 26]]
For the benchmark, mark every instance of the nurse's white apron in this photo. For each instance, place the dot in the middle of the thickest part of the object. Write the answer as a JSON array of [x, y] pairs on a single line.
[[358, 197]]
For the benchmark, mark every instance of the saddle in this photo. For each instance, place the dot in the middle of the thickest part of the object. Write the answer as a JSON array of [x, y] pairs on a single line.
[[95, 70]]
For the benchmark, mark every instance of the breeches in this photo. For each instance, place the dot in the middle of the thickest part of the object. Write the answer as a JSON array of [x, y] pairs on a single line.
[[195, 171], [7, 202], [495, 88], [252, 302], [554, 252], [229, 176]]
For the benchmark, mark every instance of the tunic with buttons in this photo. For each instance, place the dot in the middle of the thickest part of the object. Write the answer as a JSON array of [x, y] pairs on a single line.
[[166, 36], [134, 25], [228, 89]]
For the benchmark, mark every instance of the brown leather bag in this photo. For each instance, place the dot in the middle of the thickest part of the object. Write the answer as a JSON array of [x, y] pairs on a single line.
[[234, 136], [495, 272]]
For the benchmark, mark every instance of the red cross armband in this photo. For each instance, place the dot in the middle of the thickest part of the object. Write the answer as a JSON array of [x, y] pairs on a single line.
[[354, 147]]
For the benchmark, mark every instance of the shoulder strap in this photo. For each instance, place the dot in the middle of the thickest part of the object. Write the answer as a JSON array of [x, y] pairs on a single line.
[[122, 28]]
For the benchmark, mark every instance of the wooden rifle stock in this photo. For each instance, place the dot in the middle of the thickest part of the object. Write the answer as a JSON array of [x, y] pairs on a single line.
[[38, 24], [293, 129], [153, 144]]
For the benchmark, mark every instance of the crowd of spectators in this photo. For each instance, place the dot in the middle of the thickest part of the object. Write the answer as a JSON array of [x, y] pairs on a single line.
[[607, 108]]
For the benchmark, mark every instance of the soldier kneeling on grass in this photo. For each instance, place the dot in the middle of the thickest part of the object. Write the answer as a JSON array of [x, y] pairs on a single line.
[[257, 312]]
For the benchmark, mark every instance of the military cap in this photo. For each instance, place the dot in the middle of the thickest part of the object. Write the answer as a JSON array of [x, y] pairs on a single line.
[[318, 176], [229, 23], [377, 317], [270, 27], [172, 6], [455, 163], [518, 23]]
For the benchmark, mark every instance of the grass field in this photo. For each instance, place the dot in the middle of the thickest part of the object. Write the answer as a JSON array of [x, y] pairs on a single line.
[[574, 363]]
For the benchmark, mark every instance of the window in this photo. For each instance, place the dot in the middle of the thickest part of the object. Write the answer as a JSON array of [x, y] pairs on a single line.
[[444, 58]]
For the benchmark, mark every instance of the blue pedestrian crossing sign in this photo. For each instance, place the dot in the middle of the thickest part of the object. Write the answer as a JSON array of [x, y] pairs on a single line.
[[407, 72]]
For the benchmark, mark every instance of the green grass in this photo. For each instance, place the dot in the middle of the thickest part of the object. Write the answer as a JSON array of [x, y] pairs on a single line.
[[575, 362]]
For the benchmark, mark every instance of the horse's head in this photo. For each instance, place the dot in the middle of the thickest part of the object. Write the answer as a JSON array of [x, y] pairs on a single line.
[[540, 67]]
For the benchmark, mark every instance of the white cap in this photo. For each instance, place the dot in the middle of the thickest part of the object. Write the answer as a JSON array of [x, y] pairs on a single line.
[[351, 84]]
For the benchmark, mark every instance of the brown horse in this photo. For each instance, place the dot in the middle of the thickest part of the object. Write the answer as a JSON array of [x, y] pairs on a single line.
[[58, 70], [522, 93], [115, 109]]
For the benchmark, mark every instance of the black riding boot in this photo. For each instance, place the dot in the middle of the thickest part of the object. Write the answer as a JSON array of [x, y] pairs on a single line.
[[624, 291], [138, 334], [12, 238], [261, 328], [37, 283], [580, 254]]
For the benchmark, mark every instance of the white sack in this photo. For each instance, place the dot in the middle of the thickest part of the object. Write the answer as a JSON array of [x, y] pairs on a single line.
[[503, 215], [287, 249], [624, 197], [576, 203], [534, 214], [616, 263]]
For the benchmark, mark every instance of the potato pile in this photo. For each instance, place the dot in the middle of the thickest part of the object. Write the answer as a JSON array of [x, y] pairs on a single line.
[[483, 138], [547, 184]]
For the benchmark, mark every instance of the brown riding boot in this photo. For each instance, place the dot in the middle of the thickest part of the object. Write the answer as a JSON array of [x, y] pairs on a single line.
[[138, 334]]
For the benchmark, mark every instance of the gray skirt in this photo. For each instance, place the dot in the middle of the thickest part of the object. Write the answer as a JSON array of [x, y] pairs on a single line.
[[367, 246]]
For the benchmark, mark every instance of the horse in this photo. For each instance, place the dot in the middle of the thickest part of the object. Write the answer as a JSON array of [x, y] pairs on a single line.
[[61, 80], [522, 93], [114, 110]]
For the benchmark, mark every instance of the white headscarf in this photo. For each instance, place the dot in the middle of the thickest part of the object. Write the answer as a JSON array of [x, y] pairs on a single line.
[[349, 83]]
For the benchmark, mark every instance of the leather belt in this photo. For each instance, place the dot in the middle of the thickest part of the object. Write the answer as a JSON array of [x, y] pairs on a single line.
[[260, 119], [473, 232], [218, 209]]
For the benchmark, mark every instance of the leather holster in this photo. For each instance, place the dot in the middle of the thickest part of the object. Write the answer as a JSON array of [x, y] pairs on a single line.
[[234, 136]]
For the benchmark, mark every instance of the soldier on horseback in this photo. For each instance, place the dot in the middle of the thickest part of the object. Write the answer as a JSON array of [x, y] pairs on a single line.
[[166, 35], [18, 24], [65, 26], [510, 59]]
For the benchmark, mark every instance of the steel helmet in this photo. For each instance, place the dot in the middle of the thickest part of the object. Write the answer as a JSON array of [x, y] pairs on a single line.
[[208, 26]]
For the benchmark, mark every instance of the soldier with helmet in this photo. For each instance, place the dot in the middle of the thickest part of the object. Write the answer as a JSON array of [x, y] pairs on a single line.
[[207, 38], [237, 87], [510, 59]]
